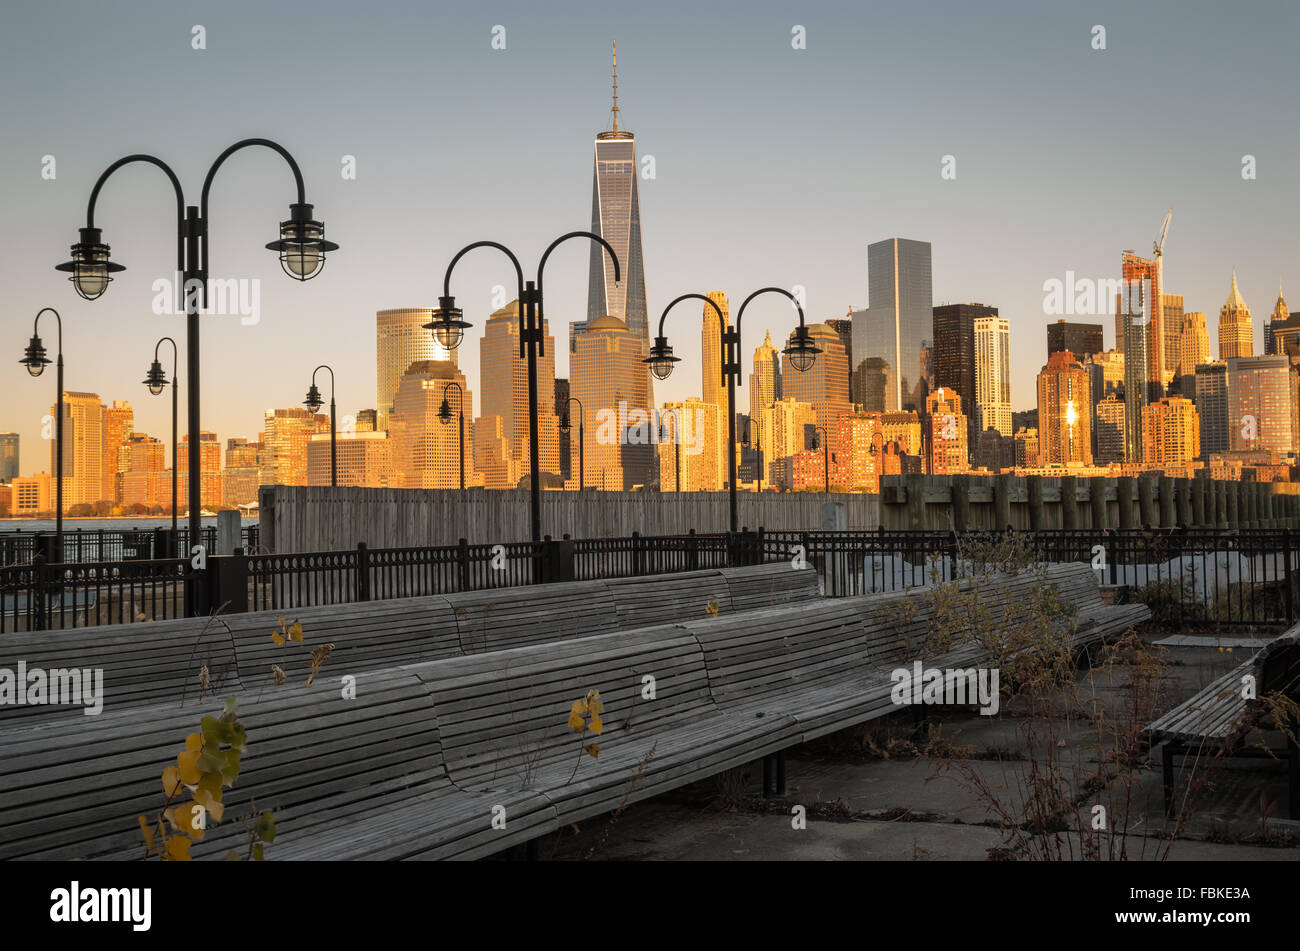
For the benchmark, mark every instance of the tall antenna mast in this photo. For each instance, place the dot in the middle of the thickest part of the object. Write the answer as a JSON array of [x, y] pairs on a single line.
[[615, 109]]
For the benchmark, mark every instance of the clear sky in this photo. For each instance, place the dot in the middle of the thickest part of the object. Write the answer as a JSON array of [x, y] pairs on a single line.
[[773, 165]]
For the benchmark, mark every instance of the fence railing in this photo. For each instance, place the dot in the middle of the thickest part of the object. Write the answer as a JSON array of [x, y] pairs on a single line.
[[1189, 577], [1192, 578], [110, 544]]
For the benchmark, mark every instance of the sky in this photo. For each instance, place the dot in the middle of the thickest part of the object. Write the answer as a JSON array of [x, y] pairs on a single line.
[[773, 165]]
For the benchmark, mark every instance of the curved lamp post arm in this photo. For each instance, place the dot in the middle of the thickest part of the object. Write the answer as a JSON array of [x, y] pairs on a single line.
[[708, 300], [176, 187], [37, 323], [175, 355], [541, 269], [220, 160], [324, 366], [519, 278], [741, 313], [460, 394]]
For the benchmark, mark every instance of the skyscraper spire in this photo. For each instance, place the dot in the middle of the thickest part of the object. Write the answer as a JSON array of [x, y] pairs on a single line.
[[614, 110]]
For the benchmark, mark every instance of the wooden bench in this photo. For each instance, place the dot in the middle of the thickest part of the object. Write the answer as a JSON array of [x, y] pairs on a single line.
[[1217, 716], [415, 765], [772, 584]]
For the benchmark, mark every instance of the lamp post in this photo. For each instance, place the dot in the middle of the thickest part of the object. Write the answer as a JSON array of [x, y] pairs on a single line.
[[448, 329], [313, 403], [566, 426], [155, 379], [444, 416], [826, 454], [801, 352], [302, 248], [877, 470], [35, 360]]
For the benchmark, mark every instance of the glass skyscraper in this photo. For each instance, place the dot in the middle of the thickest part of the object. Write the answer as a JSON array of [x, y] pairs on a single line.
[[616, 217], [892, 338]]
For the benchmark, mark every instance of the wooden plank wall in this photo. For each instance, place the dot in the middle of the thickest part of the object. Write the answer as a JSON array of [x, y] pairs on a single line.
[[319, 518]]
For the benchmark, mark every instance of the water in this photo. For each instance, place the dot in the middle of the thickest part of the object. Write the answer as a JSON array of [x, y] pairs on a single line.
[[123, 524]]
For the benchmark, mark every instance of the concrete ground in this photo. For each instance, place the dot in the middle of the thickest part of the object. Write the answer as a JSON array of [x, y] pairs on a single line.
[[868, 795]]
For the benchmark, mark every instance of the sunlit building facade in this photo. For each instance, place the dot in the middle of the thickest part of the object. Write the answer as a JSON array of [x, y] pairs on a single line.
[[1236, 330], [606, 374], [400, 340], [425, 451], [1173, 432], [1064, 416], [892, 338]]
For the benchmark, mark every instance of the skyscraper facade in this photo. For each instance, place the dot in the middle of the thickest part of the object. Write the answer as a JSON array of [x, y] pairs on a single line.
[[1173, 433], [1193, 350], [119, 424], [616, 217], [286, 432], [1171, 337], [1212, 407], [1260, 415], [504, 390], [1082, 340], [425, 450], [1138, 318], [764, 381], [1064, 417], [992, 404], [83, 448], [712, 386], [8, 457], [892, 338], [1236, 332], [606, 375], [400, 340]]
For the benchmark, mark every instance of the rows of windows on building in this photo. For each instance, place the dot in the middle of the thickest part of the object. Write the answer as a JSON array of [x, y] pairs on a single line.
[[901, 386]]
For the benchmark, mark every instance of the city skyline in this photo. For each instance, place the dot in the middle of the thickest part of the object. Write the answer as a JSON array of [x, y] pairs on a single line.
[[1217, 209]]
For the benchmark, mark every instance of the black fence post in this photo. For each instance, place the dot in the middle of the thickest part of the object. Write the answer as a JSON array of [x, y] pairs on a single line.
[[363, 572], [36, 604], [1286, 554], [229, 582], [638, 562], [462, 564], [692, 551]]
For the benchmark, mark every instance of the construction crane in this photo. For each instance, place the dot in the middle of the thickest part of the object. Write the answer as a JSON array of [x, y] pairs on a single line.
[[1159, 246]]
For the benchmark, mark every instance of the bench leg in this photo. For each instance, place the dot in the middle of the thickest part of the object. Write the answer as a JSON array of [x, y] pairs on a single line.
[[780, 773], [1167, 766]]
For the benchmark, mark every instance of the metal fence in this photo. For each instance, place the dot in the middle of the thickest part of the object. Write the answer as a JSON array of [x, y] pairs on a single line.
[[1190, 578], [20, 547]]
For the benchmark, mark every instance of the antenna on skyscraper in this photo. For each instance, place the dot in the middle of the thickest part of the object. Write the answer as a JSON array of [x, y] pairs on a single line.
[[615, 109]]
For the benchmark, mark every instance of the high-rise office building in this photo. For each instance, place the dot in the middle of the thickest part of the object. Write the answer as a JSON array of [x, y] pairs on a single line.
[[1279, 318], [1260, 407], [1026, 448], [946, 432], [892, 338], [1173, 432], [425, 451], [1108, 430], [119, 424], [764, 381], [992, 405], [1138, 322], [503, 382], [825, 384], [1212, 407], [1105, 374], [8, 457], [285, 435], [1083, 340], [1283, 333], [1064, 412], [400, 340], [692, 431], [954, 350], [209, 474], [606, 375], [843, 326], [616, 217], [83, 448], [1171, 337], [365, 457], [788, 429], [142, 463], [1236, 331], [242, 474], [712, 385], [1193, 350]]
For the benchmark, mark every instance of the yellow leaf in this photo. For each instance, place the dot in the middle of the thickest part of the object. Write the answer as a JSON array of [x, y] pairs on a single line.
[[189, 772], [593, 749], [171, 780], [295, 631], [575, 715], [597, 705], [278, 638], [148, 834], [194, 741], [178, 848], [595, 725], [208, 795]]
